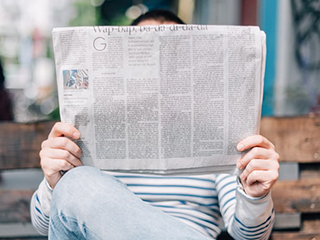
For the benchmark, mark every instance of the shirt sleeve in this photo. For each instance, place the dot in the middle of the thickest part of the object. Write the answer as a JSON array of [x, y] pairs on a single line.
[[245, 217], [40, 207]]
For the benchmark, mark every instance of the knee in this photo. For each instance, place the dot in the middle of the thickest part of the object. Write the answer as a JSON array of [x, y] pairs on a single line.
[[76, 179], [79, 187]]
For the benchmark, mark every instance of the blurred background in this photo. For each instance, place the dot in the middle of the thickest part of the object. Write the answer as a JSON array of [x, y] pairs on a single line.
[[28, 89], [293, 45]]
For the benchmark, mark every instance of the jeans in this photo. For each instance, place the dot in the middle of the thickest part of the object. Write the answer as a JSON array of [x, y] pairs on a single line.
[[89, 204]]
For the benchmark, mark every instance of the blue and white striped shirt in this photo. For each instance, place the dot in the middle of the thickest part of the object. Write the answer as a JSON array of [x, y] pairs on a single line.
[[202, 201]]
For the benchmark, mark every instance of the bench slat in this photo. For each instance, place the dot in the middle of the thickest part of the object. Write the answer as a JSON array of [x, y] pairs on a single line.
[[20, 144], [15, 206], [297, 196], [297, 139]]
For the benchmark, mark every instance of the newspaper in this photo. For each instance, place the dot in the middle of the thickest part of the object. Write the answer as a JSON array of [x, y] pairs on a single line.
[[167, 99]]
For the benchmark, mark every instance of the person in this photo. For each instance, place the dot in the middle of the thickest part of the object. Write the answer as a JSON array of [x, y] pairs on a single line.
[[87, 203], [6, 112]]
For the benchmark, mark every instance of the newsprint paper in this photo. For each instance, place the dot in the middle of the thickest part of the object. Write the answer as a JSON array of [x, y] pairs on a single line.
[[167, 99]]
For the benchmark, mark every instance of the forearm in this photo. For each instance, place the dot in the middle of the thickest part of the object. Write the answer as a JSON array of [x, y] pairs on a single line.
[[40, 208], [253, 218]]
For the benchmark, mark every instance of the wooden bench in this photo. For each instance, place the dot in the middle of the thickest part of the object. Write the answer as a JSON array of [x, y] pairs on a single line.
[[296, 195]]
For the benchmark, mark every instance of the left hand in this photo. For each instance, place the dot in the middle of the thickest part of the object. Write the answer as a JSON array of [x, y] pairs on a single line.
[[260, 164]]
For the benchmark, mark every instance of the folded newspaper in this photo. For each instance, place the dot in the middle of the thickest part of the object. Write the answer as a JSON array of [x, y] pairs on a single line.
[[167, 99]]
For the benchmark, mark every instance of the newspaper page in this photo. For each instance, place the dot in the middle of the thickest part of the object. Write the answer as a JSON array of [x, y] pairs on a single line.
[[167, 99]]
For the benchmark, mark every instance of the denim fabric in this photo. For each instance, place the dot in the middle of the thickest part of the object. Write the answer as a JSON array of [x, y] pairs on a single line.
[[89, 204]]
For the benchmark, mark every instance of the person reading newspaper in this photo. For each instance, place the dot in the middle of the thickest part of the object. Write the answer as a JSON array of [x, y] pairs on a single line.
[[82, 202]]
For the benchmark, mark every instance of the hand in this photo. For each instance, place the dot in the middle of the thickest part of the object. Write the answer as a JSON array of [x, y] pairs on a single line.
[[59, 152], [260, 164]]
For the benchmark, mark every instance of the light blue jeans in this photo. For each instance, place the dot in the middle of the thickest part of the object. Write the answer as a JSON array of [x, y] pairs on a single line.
[[89, 204]]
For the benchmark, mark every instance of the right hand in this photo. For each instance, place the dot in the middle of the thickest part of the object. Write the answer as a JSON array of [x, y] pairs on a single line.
[[59, 152]]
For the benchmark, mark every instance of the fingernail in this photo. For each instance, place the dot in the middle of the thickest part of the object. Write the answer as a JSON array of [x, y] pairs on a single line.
[[76, 135], [240, 146]]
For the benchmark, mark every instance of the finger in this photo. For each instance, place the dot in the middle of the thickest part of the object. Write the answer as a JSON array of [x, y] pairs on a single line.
[[52, 166], [64, 165], [63, 154], [258, 165], [63, 129], [266, 178], [63, 143], [254, 141], [256, 153]]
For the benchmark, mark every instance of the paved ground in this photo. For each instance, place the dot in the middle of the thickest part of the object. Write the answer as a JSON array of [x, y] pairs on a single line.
[[20, 179]]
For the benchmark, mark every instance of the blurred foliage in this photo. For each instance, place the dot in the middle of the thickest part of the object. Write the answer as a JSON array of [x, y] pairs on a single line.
[[55, 115], [85, 14], [88, 15], [119, 21]]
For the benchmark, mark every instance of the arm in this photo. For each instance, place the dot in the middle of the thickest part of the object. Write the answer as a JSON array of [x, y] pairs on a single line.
[[40, 208], [57, 153], [246, 206]]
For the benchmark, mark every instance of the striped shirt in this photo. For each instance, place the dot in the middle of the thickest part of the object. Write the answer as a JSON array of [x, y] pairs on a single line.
[[203, 202]]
